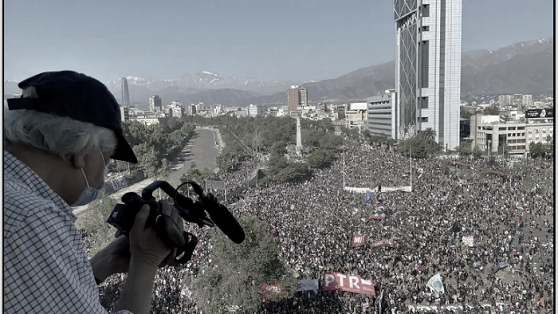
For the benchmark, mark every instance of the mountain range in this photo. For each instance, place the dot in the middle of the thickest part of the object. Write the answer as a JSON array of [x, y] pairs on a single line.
[[525, 67]]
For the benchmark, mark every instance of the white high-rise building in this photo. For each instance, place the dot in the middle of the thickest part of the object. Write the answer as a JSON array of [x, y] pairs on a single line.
[[428, 68], [505, 100], [155, 103], [256, 110], [527, 100]]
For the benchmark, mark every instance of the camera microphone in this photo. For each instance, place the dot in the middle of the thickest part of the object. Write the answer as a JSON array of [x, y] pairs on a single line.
[[223, 218], [220, 215]]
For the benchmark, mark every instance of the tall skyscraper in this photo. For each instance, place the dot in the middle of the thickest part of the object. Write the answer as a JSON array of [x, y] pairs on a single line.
[[125, 92], [297, 98], [428, 68], [155, 103]]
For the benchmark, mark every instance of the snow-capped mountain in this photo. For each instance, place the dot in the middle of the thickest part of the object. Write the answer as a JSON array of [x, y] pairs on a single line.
[[207, 80]]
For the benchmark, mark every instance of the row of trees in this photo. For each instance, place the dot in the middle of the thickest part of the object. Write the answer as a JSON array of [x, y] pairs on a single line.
[[237, 271], [247, 137], [540, 150], [196, 174], [156, 144]]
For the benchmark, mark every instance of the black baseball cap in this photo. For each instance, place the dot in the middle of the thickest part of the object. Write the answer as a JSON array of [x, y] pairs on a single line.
[[79, 97]]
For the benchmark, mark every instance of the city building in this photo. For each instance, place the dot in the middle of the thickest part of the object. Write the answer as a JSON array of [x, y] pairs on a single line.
[[192, 110], [428, 68], [338, 112], [356, 115], [256, 110], [124, 113], [493, 137], [218, 110], [464, 129], [125, 92], [337, 127], [505, 100], [539, 126], [241, 112], [383, 114], [297, 98], [176, 109], [527, 101], [147, 121], [155, 103], [208, 113], [282, 112]]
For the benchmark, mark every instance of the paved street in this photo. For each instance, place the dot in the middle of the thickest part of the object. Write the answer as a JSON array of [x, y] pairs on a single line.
[[201, 150]]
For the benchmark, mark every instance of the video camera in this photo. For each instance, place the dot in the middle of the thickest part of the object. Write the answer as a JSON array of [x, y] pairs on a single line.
[[123, 216]]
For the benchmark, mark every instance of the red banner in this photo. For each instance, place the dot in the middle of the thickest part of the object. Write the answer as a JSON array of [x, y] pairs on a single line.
[[270, 290], [353, 283], [359, 240]]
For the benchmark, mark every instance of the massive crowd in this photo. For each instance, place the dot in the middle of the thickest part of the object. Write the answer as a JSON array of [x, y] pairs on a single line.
[[510, 220]]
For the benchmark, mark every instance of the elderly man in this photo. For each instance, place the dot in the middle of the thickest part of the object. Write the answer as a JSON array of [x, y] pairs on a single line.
[[58, 140]]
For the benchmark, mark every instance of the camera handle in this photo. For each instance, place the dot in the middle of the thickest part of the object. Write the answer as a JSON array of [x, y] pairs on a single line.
[[184, 253]]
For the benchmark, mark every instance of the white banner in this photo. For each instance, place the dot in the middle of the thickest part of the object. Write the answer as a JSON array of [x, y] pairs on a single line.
[[396, 188], [375, 190], [469, 241], [435, 284], [362, 190], [307, 285]]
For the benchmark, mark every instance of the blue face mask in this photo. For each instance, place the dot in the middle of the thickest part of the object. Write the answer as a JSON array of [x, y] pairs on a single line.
[[90, 193]]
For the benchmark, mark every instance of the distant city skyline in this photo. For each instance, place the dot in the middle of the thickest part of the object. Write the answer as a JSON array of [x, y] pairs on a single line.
[[273, 39]]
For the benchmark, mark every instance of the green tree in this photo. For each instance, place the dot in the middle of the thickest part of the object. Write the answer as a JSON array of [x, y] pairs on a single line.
[[164, 171], [173, 124], [538, 150], [279, 149], [414, 146], [148, 159], [492, 110], [320, 159], [293, 172], [238, 270], [330, 142], [193, 173], [464, 149], [99, 232], [196, 175], [464, 113], [429, 135], [277, 163], [477, 152], [229, 156]]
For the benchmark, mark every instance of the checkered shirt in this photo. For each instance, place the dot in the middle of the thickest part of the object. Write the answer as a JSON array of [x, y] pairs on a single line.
[[46, 269]]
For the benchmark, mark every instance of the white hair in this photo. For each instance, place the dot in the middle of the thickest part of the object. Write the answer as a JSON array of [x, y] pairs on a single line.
[[61, 136]]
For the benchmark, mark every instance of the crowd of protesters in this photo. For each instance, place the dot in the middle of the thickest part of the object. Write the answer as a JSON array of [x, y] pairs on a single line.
[[510, 219]]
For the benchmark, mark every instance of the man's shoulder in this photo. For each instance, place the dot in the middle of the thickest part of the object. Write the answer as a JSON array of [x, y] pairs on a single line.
[[21, 202]]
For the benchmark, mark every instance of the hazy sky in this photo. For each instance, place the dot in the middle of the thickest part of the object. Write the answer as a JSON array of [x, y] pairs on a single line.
[[290, 39]]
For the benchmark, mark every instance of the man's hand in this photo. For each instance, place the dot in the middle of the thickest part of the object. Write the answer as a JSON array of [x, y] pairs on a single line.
[[115, 258], [145, 245], [148, 251]]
